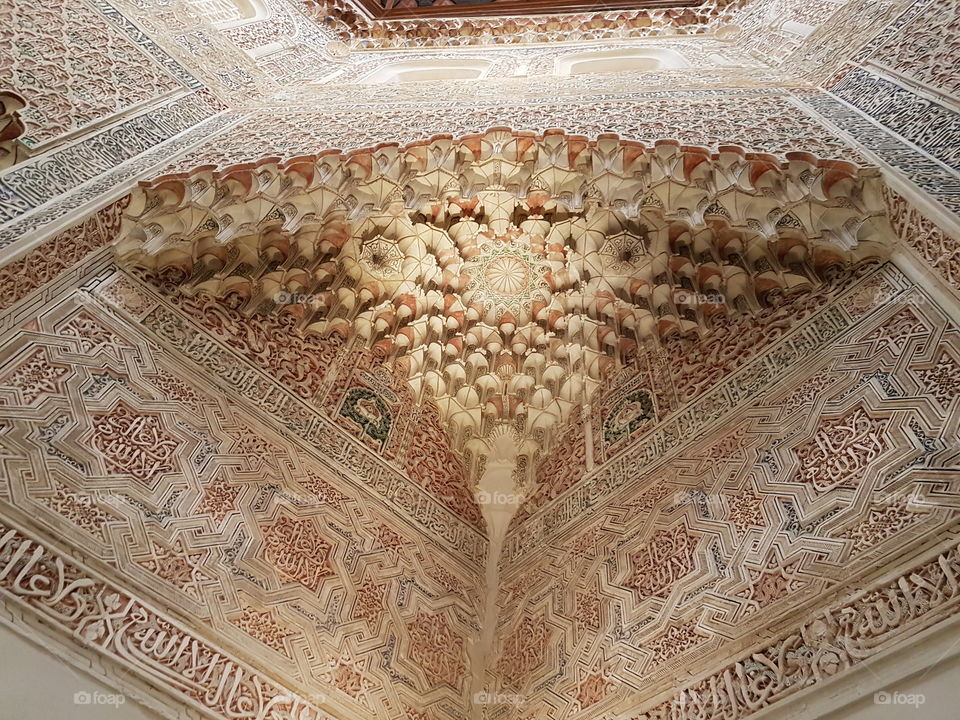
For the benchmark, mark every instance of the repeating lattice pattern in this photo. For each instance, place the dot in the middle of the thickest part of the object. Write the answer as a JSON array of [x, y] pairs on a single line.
[[805, 494], [925, 48], [59, 254], [202, 505], [71, 66], [757, 122]]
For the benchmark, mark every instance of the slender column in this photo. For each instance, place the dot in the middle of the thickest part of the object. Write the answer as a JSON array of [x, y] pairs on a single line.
[[499, 500], [588, 437]]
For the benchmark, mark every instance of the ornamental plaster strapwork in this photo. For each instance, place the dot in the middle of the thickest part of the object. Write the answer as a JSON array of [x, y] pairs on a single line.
[[730, 567], [231, 510], [294, 568], [75, 67], [506, 273], [760, 120]]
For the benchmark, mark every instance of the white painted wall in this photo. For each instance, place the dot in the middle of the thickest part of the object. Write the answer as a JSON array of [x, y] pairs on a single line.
[[36, 685], [938, 686], [927, 664]]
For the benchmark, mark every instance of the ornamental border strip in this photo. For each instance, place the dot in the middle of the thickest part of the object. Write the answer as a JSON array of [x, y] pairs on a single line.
[[31, 222], [931, 176], [906, 16], [669, 436], [173, 67], [48, 177], [922, 121], [335, 104], [846, 633]]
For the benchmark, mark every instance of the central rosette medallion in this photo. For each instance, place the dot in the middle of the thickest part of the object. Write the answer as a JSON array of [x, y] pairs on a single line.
[[382, 258], [506, 277]]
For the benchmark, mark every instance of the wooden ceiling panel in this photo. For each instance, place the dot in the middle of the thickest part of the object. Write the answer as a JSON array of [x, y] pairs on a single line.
[[398, 9]]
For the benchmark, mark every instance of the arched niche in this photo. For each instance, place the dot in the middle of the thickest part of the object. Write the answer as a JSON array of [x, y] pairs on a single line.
[[232, 13], [12, 149], [407, 71], [639, 60]]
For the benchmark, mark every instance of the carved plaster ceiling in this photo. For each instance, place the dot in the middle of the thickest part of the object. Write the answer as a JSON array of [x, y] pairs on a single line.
[[409, 23], [506, 275], [247, 478], [448, 8]]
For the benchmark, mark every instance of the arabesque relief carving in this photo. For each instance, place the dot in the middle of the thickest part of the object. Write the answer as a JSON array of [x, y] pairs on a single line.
[[247, 410]]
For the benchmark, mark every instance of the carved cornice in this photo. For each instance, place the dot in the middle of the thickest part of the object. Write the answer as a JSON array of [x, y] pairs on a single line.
[[452, 8]]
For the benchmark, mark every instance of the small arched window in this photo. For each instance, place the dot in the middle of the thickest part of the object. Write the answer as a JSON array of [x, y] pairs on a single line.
[[637, 60], [424, 71]]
